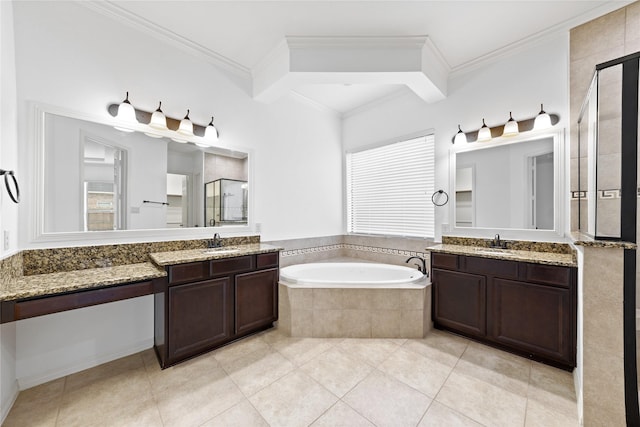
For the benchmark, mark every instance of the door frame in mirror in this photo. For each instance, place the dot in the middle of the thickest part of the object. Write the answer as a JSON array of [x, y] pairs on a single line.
[[34, 209], [559, 168]]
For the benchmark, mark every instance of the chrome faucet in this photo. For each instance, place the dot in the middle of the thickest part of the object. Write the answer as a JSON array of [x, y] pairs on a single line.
[[421, 268], [216, 242]]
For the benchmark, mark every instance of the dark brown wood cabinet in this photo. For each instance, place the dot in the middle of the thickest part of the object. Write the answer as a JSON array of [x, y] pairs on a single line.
[[525, 308], [211, 303]]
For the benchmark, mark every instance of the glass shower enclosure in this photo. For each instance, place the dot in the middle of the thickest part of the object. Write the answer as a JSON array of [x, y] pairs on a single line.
[[225, 202]]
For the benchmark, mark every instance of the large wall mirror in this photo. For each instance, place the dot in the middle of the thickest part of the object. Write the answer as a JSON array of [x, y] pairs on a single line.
[[509, 184], [95, 178]]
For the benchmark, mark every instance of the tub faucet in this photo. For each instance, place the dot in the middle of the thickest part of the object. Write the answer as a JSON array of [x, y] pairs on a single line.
[[216, 242], [421, 268]]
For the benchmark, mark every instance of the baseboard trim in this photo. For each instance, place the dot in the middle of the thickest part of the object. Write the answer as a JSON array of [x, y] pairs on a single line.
[[8, 403], [29, 381]]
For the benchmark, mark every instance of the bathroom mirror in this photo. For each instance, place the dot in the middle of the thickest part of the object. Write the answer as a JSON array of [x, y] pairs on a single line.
[[95, 178], [507, 184]]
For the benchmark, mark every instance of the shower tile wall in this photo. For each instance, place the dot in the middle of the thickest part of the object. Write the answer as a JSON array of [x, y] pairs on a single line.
[[608, 37]]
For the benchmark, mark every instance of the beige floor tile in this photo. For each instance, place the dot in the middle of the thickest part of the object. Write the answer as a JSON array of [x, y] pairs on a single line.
[[294, 400], [442, 346], [257, 370], [37, 406], [198, 400], [127, 393], [386, 401], [164, 380], [300, 350], [371, 351], [553, 388], [228, 354], [424, 374], [482, 402], [439, 415], [539, 415], [241, 415], [341, 415], [337, 371], [106, 370], [496, 367]]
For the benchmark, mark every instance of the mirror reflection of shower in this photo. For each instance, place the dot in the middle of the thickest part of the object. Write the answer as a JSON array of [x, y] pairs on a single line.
[[226, 202]]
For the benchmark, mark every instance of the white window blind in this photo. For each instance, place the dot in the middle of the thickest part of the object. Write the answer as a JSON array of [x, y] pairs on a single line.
[[389, 189]]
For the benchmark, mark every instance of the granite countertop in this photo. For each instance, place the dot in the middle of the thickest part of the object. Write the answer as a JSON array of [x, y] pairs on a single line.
[[508, 254], [194, 255], [78, 280]]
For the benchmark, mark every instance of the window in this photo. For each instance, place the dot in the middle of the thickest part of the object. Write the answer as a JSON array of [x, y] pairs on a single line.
[[389, 189]]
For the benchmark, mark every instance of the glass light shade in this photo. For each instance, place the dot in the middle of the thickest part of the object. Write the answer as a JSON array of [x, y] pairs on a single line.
[[126, 115], [180, 140], [461, 137], [210, 132], [542, 121], [511, 127], [484, 134], [158, 120], [186, 127], [202, 144], [153, 135]]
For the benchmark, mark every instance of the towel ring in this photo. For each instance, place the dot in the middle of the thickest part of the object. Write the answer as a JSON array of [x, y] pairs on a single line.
[[15, 197], [439, 194]]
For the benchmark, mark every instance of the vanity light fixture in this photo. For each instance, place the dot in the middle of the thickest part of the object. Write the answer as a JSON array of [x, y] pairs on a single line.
[[484, 134], [186, 127], [126, 114], [543, 120], [511, 127], [460, 138], [162, 126]]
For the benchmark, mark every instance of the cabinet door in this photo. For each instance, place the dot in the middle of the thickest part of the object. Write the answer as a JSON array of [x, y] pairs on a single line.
[[533, 318], [256, 296], [459, 301], [199, 316]]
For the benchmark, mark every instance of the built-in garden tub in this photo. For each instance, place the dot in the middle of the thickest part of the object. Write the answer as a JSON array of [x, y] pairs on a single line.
[[353, 299]]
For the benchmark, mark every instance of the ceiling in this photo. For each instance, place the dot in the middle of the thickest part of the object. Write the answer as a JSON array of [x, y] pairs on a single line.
[[465, 33]]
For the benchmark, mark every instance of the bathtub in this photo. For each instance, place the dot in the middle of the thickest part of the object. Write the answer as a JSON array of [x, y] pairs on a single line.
[[352, 275], [354, 300]]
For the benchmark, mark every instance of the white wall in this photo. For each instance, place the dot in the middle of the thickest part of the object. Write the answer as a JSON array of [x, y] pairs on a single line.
[[518, 83], [8, 210], [72, 57]]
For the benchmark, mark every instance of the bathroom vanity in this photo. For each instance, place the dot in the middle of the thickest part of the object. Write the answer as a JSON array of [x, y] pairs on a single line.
[[519, 301], [213, 298]]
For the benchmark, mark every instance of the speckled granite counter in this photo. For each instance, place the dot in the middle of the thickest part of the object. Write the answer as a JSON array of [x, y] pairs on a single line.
[[77, 280], [549, 258], [194, 255]]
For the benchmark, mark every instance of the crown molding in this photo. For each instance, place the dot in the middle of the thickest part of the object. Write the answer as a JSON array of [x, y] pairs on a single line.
[[535, 39], [131, 19]]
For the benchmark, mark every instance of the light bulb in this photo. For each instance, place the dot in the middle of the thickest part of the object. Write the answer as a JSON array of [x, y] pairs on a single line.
[[158, 119], [461, 137], [126, 115], [484, 134], [542, 121], [186, 127], [511, 127]]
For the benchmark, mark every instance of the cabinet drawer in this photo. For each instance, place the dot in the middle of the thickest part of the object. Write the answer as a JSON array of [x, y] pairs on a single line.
[[190, 272], [231, 265], [548, 274], [267, 260], [492, 267], [449, 261]]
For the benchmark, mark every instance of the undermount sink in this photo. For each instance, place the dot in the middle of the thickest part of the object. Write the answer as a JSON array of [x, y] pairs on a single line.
[[221, 250], [492, 251]]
